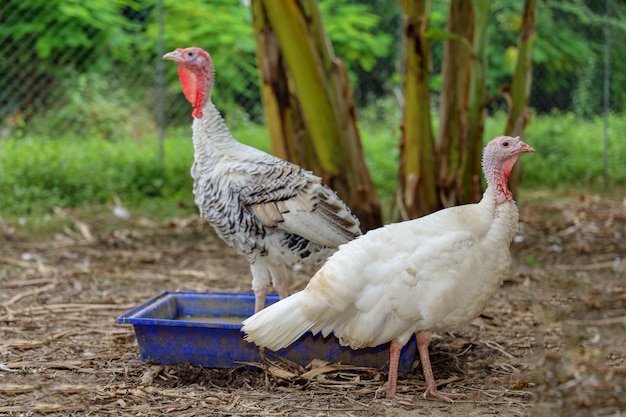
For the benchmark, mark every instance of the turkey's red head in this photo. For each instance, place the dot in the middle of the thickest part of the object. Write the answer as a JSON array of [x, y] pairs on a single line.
[[195, 71], [499, 157]]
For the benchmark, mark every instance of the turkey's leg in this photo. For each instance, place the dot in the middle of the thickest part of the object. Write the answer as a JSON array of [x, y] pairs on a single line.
[[280, 280], [431, 387], [261, 279], [392, 380], [259, 304], [259, 299]]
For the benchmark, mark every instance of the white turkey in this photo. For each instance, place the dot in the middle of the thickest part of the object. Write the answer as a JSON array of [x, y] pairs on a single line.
[[271, 211], [433, 273]]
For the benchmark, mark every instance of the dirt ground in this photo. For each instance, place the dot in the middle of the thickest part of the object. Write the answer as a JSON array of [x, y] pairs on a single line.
[[551, 343]]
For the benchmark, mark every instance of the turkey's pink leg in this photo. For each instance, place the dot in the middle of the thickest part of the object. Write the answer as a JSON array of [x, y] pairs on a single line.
[[431, 387], [392, 380]]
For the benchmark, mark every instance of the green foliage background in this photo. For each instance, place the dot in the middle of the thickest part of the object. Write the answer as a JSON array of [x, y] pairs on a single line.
[[69, 172], [114, 39], [73, 67]]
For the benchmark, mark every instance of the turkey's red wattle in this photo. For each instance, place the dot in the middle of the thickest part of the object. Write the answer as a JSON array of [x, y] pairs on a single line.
[[194, 93]]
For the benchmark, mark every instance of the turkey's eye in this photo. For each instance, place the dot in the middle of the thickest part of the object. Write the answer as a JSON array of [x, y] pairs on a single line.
[[190, 54], [505, 144]]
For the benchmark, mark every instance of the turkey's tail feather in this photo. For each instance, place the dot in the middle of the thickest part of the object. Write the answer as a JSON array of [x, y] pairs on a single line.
[[279, 325]]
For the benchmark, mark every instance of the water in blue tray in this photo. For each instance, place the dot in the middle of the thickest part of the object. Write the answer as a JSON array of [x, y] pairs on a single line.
[[209, 318]]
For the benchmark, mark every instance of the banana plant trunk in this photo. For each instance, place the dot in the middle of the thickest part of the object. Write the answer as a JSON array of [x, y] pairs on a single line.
[[308, 102], [478, 100], [416, 194], [519, 112], [283, 116], [453, 141]]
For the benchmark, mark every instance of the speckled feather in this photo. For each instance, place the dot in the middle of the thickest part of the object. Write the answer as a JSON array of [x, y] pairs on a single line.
[[271, 211], [262, 205]]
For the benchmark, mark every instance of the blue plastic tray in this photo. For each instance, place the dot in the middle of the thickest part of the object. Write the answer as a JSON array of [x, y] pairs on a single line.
[[164, 339]]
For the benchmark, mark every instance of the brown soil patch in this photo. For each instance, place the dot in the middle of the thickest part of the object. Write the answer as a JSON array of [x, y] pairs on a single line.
[[551, 342]]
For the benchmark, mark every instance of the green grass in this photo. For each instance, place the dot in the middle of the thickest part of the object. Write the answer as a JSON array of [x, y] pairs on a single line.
[[37, 174], [381, 155], [570, 150], [73, 172]]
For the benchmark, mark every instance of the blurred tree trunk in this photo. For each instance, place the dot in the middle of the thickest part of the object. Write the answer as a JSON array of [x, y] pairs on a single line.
[[477, 112], [288, 135], [416, 193], [450, 174], [309, 104], [453, 140], [519, 113]]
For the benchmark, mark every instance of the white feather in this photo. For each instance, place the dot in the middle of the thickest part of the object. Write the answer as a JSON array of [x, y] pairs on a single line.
[[435, 272], [274, 335]]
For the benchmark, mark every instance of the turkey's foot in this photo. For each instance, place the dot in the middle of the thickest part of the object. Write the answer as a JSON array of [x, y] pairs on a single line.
[[390, 394], [444, 396]]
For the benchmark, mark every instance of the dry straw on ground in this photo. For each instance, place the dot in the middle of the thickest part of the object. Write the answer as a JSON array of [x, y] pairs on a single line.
[[550, 343]]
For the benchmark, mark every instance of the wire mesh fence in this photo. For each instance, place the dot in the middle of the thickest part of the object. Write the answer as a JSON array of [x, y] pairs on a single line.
[[70, 68]]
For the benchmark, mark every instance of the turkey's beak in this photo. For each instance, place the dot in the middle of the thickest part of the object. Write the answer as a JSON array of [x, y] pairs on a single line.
[[172, 56], [524, 147]]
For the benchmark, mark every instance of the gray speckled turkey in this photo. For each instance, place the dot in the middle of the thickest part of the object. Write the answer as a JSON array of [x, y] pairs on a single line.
[[271, 211]]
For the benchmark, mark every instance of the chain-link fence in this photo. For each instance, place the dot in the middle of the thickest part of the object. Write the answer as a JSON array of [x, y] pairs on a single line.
[[70, 68]]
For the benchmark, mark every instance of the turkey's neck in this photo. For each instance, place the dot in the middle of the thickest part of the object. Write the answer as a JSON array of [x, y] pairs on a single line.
[[210, 133], [505, 216], [497, 175]]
